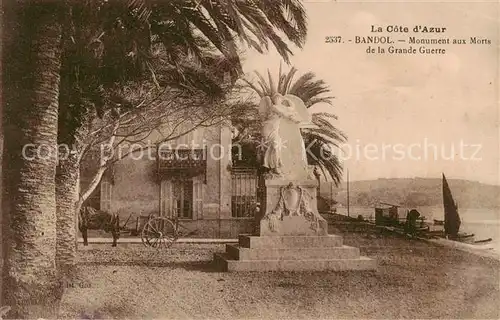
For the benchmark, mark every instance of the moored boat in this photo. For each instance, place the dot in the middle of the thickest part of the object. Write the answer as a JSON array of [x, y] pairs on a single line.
[[438, 222], [465, 236], [452, 219], [483, 241]]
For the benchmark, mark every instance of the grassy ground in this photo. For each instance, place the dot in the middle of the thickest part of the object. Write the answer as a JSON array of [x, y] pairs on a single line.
[[413, 280]]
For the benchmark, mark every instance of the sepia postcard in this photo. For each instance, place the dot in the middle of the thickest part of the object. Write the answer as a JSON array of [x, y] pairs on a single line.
[[243, 159]]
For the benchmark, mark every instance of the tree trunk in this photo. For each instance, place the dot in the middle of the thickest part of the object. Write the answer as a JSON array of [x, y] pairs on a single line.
[[1, 192], [103, 165], [92, 185], [31, 89], [67, 194]]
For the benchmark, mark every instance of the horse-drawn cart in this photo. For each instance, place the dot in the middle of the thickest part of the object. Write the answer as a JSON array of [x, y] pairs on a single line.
[[155, 231], [159, 232]]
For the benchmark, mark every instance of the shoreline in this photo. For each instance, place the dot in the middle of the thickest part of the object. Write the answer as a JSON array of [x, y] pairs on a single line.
[[482, 252], [492, 251]]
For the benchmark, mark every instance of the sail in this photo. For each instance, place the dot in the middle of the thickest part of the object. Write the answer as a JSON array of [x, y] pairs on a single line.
[[451, 217]]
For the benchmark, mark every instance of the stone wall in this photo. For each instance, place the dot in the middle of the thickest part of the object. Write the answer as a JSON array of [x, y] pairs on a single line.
[[218, 228], [135, 189]]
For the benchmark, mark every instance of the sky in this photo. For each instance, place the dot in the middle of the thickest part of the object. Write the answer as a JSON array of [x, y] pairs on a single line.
[[430, 113]]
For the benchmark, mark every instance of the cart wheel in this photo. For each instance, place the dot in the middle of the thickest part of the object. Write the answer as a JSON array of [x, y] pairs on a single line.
[[159, 232]]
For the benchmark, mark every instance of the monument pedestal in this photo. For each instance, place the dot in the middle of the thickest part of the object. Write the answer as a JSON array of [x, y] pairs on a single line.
[[293, 236]]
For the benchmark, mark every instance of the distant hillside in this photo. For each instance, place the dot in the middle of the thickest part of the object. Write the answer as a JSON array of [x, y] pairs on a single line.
[[416, 192]]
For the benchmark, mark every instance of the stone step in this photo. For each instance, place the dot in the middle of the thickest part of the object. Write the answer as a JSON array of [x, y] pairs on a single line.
[[225, 263], [271, 253], [258, 242]]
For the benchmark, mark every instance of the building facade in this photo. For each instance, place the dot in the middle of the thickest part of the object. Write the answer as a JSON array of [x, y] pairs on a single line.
[[192, 179]]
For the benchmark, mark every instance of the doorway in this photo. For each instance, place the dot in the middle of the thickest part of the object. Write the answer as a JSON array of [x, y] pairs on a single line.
[[183, 198]]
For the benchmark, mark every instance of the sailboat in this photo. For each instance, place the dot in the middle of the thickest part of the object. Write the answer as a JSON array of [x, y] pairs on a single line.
[[451, 218], [452, 222]]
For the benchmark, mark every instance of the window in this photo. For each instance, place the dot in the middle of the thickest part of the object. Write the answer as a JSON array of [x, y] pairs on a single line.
[[183, 198], [244, 192], [105, 196]]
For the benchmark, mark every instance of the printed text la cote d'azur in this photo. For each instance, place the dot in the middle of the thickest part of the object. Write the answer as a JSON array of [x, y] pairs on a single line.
[[404, 29]]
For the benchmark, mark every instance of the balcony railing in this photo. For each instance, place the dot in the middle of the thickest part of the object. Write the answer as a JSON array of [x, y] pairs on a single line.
[[181, 162], [182, 158]]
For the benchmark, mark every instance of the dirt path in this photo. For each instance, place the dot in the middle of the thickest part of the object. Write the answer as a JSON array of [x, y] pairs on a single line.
[[413, 280]]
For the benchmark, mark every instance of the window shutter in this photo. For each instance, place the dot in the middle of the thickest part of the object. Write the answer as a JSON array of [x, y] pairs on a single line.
[[198, 136], [197, 198], [167, 206], [182, 140]]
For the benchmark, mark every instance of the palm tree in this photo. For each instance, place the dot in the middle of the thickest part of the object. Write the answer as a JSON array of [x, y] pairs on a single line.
[[130, 33], [320, 140], [185, 44], [31, 89]]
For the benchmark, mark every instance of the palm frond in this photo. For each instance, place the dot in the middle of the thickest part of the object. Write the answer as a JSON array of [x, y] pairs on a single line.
[[140, 8], [320, 154], [288, 80], [294, 25], [174, 43], [254, 87], [313, 101], [325, 115], [272, 87], [266, 89]]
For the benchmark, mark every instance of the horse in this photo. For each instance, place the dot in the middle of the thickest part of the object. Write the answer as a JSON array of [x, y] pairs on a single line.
[[93, 219]]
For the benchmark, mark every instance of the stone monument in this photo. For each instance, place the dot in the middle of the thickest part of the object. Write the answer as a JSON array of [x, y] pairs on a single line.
[[291, 234]]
